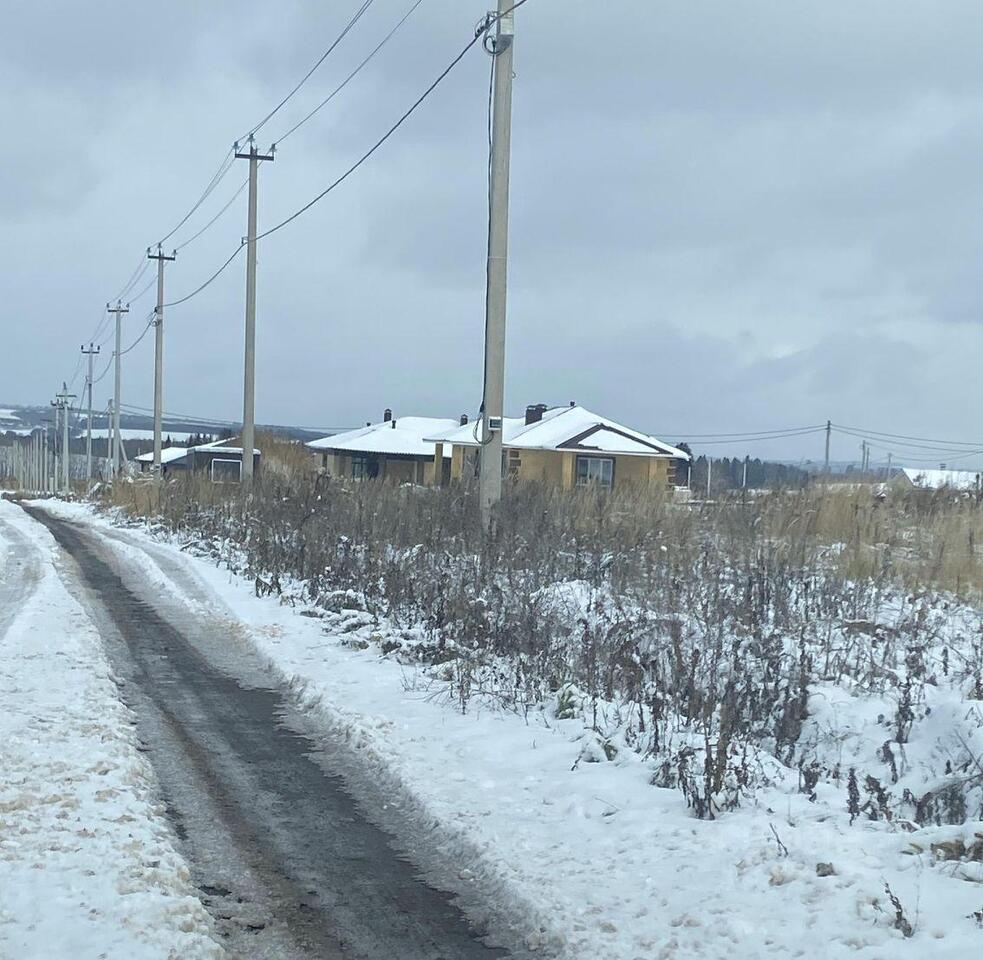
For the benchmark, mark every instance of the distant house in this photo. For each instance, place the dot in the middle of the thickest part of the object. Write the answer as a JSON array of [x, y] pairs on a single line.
[[394, 449], [915, 479], [172, 459], [221, 460], [567, 447]]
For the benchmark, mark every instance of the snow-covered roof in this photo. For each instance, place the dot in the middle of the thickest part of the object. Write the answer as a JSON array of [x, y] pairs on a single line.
[[937, 479], [568, 428], [399, 436], [167, 455], [176, 454]]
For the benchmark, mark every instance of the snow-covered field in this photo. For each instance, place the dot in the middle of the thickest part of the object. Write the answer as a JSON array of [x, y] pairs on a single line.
[[88, 868], [130, 433], [587, 850]]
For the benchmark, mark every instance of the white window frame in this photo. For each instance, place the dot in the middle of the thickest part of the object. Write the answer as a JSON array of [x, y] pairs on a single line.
[[595, 471], [211, 469]]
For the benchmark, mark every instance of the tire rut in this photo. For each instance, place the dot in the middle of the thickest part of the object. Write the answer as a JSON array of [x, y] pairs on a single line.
[[286, 863]]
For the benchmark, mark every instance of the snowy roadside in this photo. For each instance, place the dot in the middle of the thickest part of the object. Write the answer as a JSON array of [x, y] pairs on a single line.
[[620, 867], [88, 868]]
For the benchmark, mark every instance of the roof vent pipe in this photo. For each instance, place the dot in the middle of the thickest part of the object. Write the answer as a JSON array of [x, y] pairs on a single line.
[[387, 415], [464, 419]]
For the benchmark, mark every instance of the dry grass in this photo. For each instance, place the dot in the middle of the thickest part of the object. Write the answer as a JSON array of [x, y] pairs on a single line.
[[691, 634]]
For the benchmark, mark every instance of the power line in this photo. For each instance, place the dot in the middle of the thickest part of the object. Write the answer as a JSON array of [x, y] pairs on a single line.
[[105, 370], [210, 280], [786, 436], [217, 178], [231, 200], [324, 56], [365, 156], [344, 83], [229, 159], [901, 436], [906, 444], [778, 432], [150, 323], [134, 278], [358, 163]]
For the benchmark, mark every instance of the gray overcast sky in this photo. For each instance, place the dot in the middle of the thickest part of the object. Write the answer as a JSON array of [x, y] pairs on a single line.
[[725, 216]]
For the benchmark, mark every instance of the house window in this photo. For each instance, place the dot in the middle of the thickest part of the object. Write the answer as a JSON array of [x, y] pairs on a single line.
[[226, 470], [599, 470], [365, 468]]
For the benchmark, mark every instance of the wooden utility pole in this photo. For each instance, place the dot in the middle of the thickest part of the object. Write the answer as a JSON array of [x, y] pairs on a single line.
[[90, 353], [496, 278], [249, 375], [161, 259], [119, 310]]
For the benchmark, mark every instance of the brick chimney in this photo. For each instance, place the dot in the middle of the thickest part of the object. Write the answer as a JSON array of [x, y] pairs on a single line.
[[464, 419], [387, 415], [534, 412]]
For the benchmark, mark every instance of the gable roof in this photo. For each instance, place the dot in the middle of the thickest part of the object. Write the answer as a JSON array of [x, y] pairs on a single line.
[[401, 436], [568, 428], [937, 479]]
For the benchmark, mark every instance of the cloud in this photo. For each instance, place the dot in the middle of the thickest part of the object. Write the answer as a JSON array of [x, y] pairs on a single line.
[[724, 217]]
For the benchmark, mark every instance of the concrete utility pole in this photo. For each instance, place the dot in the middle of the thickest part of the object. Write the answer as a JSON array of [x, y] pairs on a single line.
[[54, 447], [119, 310], [90, 353], [709, 474], [249, 377], [64, 403], [45, 463], [161, 259], [889, 457], [829, 430], [744, 477], [492, 411]]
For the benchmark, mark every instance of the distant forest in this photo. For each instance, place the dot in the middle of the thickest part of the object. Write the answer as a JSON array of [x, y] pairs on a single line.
[[727, 473]]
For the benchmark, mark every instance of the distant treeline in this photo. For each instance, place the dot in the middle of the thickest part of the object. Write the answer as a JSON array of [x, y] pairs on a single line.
[[727, 473]]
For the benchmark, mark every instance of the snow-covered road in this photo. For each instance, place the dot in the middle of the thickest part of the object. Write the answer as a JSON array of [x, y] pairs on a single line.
[[587, 857], [285, 861], [88, 867]]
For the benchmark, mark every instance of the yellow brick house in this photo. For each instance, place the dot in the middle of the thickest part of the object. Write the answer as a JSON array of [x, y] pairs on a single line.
[[566, 447], [393, 450]]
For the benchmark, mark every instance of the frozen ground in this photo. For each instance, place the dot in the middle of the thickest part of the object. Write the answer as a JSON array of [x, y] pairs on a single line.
[[87, 865], [607, 864]]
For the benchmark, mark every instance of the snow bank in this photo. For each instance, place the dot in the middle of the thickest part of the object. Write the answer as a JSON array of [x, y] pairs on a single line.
[[533, 807], [88, 866]]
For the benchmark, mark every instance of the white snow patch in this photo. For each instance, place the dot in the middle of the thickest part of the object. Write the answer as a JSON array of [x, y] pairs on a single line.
[[618, 866], [88, 866]]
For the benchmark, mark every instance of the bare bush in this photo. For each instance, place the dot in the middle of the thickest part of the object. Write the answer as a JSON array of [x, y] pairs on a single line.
[[692, 635]]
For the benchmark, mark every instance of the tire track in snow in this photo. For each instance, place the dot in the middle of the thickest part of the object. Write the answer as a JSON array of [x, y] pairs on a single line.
[[288, 864]]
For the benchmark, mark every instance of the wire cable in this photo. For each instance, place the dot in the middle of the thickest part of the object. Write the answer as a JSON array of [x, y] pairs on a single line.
[[479, 33], [209, 281], [365, 156], [901, 436], [224, 167], [777, 433], [150, 323], [324, 56], [905, 444], [344, 83], [786, 436], [231, 200]]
